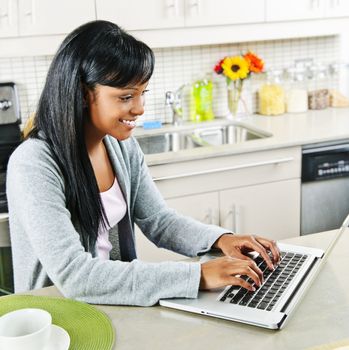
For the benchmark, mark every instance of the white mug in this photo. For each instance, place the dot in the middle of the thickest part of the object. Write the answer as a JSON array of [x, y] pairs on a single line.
[[25, 329]]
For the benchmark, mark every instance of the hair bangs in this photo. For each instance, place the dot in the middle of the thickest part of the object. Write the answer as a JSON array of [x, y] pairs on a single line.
[[133, 66]]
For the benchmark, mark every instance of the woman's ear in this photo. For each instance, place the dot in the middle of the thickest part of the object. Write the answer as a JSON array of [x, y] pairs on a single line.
[[88, 97]]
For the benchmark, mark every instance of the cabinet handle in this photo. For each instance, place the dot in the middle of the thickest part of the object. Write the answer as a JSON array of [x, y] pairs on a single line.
[[32, 12], [195, 5], [172, 8], [237, 219], [231, 214], [209, 217], [219, 170]]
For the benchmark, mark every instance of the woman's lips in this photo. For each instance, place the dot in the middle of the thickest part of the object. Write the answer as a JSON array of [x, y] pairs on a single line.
[[130, 123]]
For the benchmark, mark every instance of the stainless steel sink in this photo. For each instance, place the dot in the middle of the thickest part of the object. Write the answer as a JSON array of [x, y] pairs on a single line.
[[227, 134], [198, 137], [169, 142]]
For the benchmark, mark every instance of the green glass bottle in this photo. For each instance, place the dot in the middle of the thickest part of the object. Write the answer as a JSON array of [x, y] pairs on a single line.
[[202, 93]]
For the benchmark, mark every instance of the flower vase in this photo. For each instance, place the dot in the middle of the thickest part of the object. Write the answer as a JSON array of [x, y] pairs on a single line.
[[234, 95], [239, 99]]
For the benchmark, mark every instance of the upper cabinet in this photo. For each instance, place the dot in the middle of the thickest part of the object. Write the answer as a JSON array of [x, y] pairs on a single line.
[[337, 8], [277, 10], [46, 17], [8, 18], [138, 14], [43, 17], [220, 12], [178, 13]]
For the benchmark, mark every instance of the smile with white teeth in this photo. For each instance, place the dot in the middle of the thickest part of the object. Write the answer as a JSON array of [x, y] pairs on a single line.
[[129, 122]]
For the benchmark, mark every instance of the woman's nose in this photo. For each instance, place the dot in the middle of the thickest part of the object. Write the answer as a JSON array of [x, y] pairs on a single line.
[[138, 106]]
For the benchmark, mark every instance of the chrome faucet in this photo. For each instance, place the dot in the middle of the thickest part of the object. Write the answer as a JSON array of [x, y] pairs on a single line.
[[171, 108]]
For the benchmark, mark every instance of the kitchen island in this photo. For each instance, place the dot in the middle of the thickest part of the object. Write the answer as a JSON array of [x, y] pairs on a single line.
[[322, 316]]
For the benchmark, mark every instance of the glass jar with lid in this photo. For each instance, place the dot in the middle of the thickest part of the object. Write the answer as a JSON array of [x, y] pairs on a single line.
[[296, 90], [271, 94], [318, 94], [339, 84]]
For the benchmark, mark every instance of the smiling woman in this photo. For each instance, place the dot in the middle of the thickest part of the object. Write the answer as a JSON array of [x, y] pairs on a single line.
[[79, 183]]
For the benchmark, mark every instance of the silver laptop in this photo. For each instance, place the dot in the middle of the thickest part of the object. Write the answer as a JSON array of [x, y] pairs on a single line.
[[271, 305]]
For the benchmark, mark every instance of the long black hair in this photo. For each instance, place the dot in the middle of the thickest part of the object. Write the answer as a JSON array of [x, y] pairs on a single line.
[[101, 53]]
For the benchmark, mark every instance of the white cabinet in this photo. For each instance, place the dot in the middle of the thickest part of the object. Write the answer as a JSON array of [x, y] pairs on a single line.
[[220, 12], [139, 14], [8, 18], [46, 17], [202, 207], [271, 209], [43, 17], [337, 8], [178, 13], [253, 193], [278, 10]]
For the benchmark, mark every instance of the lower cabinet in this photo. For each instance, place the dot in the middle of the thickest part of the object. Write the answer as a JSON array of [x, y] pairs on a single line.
[[202, 207], [271, 209], [251, 193]]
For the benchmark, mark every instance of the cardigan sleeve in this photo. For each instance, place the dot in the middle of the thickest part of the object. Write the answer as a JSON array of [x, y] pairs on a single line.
[[42, 233], [164, 226]]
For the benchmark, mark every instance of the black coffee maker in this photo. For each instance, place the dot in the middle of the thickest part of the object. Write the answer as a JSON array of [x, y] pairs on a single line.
[[10, 133]]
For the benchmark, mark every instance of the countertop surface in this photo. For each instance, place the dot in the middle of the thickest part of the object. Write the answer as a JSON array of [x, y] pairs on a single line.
[[321, 318], [286, 130]]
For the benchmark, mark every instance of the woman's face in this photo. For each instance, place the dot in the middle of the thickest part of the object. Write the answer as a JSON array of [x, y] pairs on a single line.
[[114, 111]]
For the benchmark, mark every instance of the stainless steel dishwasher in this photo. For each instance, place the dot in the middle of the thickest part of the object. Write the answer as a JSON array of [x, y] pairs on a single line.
[[325, 186]]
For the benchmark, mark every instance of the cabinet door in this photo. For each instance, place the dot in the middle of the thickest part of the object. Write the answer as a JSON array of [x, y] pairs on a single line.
[[45, 17], [277, 10], [202, 207], [140, 14], [8, 18], [337, 8], [271, 209], [220, 12]]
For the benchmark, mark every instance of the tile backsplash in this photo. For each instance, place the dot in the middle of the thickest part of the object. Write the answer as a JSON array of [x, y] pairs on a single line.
[[175, 66]]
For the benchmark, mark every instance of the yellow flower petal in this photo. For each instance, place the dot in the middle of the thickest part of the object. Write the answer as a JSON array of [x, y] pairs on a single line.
[[235, 67]]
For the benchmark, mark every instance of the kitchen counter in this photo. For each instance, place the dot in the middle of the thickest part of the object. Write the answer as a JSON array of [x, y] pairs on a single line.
[[287, 130], [322, 316]]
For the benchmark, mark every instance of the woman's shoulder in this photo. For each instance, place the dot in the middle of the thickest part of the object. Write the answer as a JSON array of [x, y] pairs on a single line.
[[30, 150]]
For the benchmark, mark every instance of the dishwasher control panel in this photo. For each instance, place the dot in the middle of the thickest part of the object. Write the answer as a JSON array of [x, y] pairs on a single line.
[[327, 163]]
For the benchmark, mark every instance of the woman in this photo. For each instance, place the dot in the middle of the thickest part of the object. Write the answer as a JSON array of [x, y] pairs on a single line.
[[79, 183]]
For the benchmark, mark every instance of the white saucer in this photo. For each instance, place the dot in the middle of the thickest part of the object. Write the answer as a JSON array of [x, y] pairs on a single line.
[[59, 339]]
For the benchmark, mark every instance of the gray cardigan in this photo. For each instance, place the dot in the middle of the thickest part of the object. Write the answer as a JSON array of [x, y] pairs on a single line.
[[46, 246]]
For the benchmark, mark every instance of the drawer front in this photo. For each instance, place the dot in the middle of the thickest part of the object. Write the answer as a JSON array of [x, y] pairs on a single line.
[[214, 174]]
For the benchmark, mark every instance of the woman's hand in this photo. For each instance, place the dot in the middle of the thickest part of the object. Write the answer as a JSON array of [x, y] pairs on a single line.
[[224, 271], [238, 245]]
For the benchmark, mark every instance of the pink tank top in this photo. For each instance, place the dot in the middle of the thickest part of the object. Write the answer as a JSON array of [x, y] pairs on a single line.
[[115, 209]]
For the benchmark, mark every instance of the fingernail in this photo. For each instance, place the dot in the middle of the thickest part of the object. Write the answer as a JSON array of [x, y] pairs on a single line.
[[253, 289]]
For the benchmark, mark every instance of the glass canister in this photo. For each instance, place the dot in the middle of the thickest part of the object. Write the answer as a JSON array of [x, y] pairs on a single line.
[[296, 91], [271, 94], [339, 84], [318, 94]]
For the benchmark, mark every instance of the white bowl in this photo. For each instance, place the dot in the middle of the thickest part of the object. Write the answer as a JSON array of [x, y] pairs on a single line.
[[25, 329]]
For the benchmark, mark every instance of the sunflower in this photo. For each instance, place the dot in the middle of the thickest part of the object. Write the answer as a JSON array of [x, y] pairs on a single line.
[[235, 67], [256, 64]]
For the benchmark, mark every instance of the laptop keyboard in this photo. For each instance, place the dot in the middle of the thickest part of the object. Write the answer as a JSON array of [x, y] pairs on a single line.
[[275, 283]]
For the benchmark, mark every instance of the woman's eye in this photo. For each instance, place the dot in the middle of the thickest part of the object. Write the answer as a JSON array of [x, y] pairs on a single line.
[[144, 92], [125, 98]]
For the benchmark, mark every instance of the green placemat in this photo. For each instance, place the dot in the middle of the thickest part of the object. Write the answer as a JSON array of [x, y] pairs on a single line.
[[88, 328]]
